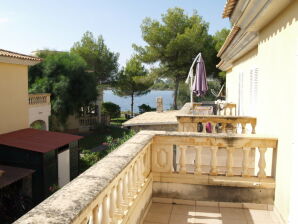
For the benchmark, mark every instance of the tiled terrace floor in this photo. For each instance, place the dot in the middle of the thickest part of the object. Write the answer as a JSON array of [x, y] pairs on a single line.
[[183, 214]]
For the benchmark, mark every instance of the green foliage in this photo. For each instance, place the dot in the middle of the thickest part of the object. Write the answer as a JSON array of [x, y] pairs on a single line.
[[63, 75], [184, 93], [163, 84], [113, 143], [111, 109], [219, 37], [100, 60], [132, 81], [174, 42], [39, 125], [145, 108], [88, 158]]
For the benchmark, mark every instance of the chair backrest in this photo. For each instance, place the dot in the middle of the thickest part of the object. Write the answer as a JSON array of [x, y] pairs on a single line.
[[203, 110]]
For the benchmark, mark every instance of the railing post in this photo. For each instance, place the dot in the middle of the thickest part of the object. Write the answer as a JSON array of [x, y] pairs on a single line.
[[262, 163], [214, 150], [182, 169], [230, 162], [245, 171], [198, 170]]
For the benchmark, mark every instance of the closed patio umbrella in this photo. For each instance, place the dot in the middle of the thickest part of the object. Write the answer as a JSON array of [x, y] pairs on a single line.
[[199, 86]]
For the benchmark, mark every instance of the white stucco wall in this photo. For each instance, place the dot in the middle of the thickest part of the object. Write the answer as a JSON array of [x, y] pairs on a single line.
[[63, 168], [276, 58], [40, 113]]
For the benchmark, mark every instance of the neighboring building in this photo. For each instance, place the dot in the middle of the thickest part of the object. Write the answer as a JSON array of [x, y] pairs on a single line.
[[14, 112], [260, 56], [52, 156]]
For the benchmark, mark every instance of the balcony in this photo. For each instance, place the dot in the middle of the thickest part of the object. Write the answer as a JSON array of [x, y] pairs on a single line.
[[39, 110], [155, 166]]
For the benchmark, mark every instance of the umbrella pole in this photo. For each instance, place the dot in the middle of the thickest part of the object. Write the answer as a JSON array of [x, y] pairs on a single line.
[[191, 93]]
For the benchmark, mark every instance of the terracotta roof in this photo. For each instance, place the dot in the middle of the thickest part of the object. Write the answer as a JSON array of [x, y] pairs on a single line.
[[230, 37], [37, 140], [11, 54], [229, 8], [12, 174]]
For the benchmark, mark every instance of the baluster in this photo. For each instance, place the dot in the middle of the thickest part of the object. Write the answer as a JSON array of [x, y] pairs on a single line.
[[125, 182], [85, 221], [262, 163], [139, 173], [112, 204], [253, 128], [142, 168], [230, 161], [225, 111], [213, 171], [132, 188], [224, 130], [95, 215], [234, 128], [231, 111], [119, 201], [243, 126], [213, 127], [182, 169], [198, 170], [105, 211], [204, 127], [245, 172]]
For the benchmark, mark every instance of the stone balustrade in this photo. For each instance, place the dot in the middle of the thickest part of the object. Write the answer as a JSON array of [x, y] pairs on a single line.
[[39, 99], [216, 124], [214, 155], [88, 121], [228, 109], [118, 189]]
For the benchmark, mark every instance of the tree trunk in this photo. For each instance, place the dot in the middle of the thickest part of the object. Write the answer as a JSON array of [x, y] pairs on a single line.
[[131, 106], [176, 93]]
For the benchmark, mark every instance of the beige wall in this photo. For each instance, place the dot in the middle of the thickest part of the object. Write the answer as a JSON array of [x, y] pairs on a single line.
[[13, 97], [276, 57]]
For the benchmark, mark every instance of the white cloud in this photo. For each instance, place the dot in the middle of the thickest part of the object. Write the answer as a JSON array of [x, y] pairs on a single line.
[[4, 20]]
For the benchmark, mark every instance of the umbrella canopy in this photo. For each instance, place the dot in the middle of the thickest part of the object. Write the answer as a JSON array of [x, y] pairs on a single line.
[[199, 86]]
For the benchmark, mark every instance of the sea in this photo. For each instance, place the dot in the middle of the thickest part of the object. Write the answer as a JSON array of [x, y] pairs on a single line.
[[149, 99]]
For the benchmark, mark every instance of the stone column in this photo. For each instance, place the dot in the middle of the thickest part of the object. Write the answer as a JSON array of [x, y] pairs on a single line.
[[159, 104]]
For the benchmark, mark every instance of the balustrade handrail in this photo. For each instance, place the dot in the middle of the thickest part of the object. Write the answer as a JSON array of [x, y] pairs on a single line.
[[115, 184], [39, 98], [189, 123]]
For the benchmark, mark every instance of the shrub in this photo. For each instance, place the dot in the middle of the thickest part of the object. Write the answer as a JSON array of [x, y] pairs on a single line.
[[145, 108], [111, 109]]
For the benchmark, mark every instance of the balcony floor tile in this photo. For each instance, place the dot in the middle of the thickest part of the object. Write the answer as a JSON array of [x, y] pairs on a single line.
[[160, 213]]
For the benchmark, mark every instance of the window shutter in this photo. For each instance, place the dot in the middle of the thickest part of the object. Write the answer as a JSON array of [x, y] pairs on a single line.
[[254, 82], [240, 94]]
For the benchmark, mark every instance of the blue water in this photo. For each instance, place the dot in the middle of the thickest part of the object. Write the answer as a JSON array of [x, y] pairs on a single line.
[[149, 98]]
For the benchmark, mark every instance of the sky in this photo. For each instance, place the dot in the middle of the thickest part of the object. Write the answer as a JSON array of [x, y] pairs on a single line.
[[29, 25]]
